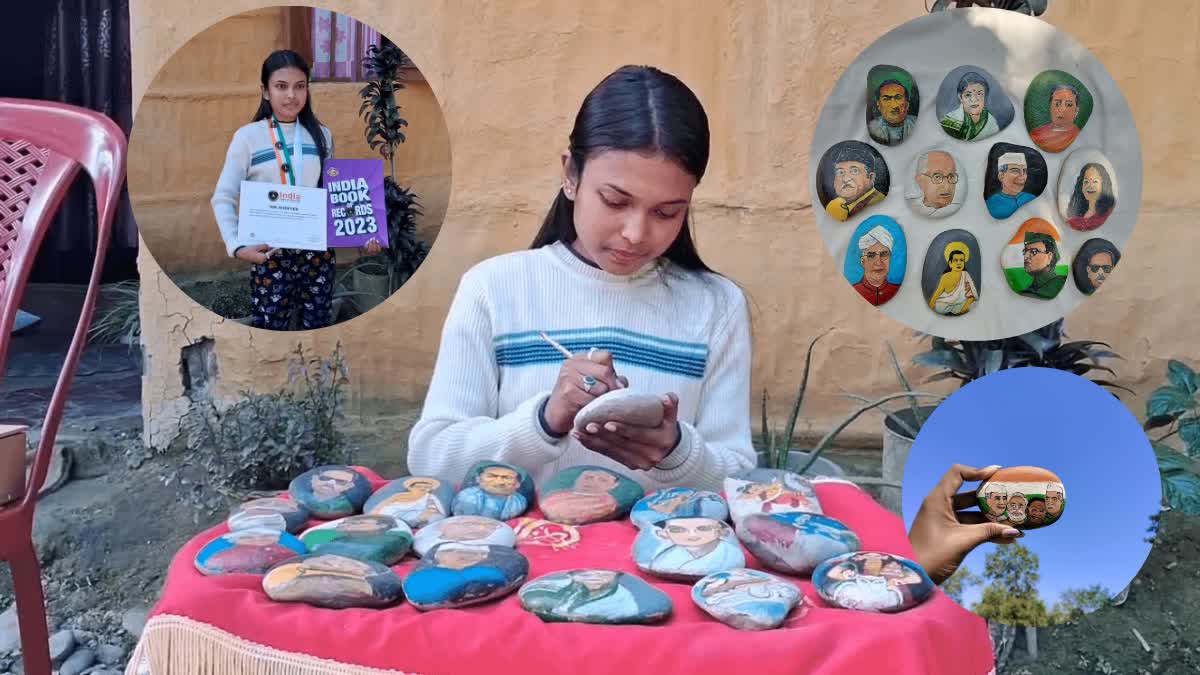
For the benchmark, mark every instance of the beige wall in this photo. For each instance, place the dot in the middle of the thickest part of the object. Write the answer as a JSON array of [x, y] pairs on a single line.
[[510, 77], [209, 88]]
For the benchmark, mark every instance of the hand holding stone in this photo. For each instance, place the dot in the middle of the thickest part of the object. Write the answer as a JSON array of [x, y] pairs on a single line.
[[637, 447], [571, 392]]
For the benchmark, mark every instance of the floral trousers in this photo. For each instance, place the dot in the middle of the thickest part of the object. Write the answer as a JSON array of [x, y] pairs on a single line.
[[293, 281]]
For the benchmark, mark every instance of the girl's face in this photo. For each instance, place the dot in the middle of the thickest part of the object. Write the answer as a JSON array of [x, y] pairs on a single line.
[[287, 91], [629, 207]]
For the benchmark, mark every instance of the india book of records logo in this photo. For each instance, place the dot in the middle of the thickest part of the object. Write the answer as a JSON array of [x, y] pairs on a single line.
[[273, 195]]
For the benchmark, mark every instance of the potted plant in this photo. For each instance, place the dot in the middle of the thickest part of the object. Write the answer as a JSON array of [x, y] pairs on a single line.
[[1175, 409]]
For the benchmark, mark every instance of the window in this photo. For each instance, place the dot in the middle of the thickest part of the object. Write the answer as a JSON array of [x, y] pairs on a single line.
[[334, 44]]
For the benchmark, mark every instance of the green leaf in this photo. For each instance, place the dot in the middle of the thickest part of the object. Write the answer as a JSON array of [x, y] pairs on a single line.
[[1169, 401], [1158, 421], [1169, 459], [1182, 491], [1189, 431], [947, 360], [1182, 376]]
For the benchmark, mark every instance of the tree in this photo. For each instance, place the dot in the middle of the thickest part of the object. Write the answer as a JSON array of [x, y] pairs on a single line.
[[959, 582], [1011, 596], [1074, 603]]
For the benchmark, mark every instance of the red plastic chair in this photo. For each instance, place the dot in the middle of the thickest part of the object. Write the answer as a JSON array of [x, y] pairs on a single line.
[[43, 145]]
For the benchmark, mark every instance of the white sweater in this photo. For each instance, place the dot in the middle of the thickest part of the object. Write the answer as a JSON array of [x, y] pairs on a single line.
[[671, 332], [251, 156]]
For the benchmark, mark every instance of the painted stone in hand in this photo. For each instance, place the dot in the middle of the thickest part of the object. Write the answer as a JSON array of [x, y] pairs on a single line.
[[678, 502], [1035, 261], [494, 490], [635, 408], [872, 581], [268, 513], [588, 494], [1095, 262], [331, 491], [769, 491], [1087, 189], [333, 582], [951, 276], [795, 543], [1025, 497], [687, 548], [373, 537], [1057, 106], [893, 102], [875, 259], [746, 599], [465, 530], [416, 500], [459, 575], [247, 552], [594, 596], [851, 178]]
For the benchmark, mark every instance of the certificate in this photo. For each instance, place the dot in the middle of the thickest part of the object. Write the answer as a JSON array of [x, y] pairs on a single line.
[[283, 216]]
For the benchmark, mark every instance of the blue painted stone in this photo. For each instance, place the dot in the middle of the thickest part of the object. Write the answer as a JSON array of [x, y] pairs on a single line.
[[333, 582], [331, 491], [746, 599], [872, 581], [594, 596], [687, 548], [416, 500], [459, 575], [465, 530], [268, 513], [247, 552], [374, 537], [494, 490], [795, 543], [769, 491], [588, 494], [678, 502]]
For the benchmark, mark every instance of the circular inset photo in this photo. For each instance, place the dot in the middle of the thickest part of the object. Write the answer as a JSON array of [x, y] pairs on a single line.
[[289, 168], [1076, 477], [970, 162]]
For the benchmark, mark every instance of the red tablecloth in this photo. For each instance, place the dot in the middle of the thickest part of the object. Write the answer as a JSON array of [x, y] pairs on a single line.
[[934, 638]]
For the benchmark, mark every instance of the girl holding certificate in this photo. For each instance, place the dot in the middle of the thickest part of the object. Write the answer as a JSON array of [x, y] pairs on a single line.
[[285, 144], [613, 279]]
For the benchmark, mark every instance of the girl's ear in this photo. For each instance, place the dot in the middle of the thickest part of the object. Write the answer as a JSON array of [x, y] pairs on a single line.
[[570, 178]]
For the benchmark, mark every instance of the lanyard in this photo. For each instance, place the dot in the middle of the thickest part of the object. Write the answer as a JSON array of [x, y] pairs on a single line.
[[285, 160]]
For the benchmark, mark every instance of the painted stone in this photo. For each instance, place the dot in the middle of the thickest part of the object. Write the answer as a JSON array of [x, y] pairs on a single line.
[[594, 596], [1057, 106], [1025, 497], [333, 582], [539, 532], [747, 599], [876, 259], [893, 103], [795, 543], [872, 581], [950, 276], [331, 491], [972, 105], [635, 408], [1034, 260], [687, 548], [1087, 189], [769, 491], [939, 184], [247, 552], [1015, 176], [851, 177], [588, 494], [465, 530], [678, 502], [1096, 260], [268, 513], [416, 500], [374, 537], [459, 575], [494, 490]]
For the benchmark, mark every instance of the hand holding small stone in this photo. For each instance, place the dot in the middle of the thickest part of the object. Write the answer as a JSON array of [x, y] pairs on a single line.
[[580, 380], [640, 448]]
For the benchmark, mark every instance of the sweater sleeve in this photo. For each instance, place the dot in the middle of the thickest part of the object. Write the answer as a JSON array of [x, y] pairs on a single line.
[[718, 443], [459, 423], [228, 191]]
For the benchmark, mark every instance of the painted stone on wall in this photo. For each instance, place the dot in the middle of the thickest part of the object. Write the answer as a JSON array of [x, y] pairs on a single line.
[[466, 530], [950, 275], [374, 537], [247, 552], [1057, 106], [494, 490], [938, 185], [594, 596], [268, 513], [876, 259], [333, 582], [1025, 497], [331, 491], [1015, 176], [1087, 189], [678, 502], [1096, 260], [872, 581], [747, 599], [588, 494], [1034, 261], [893, 103], [460, 575], [851, 177], [972, 105], [795, 543], [540, 532], [687, 548], [763, 490], [416, 500]]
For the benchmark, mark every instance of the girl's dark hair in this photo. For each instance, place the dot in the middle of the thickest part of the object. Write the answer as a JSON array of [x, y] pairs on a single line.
[[1104, 202], [640, 109], [286, 58]]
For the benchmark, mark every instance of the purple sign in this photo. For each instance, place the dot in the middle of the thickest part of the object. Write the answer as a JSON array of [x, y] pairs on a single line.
[[356, 205]]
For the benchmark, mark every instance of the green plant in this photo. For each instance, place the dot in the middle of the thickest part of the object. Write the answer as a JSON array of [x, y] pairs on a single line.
[[120, 321], [1175, 409]]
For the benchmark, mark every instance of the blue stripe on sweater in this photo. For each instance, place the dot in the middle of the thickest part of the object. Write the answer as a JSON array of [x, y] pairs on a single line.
[[688, 359], [268, 155]]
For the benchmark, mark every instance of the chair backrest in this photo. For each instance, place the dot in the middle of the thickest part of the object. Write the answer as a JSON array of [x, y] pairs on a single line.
[[43, 146]]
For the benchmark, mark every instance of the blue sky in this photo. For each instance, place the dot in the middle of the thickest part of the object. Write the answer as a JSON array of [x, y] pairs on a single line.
[[1064, 423]]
